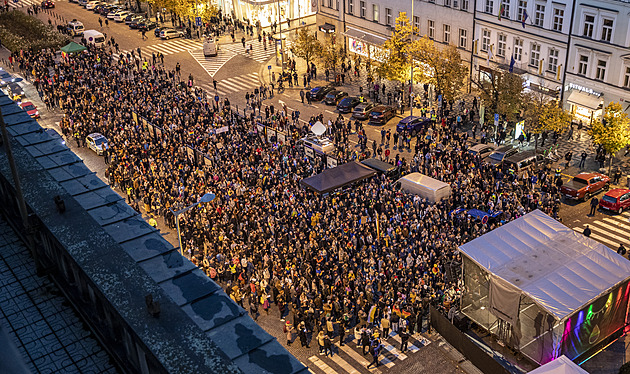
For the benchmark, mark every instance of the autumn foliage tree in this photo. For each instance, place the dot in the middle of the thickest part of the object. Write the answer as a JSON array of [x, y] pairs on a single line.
[[613, 132], [306, 45], [396, 64], [441, 67], [502, 93]]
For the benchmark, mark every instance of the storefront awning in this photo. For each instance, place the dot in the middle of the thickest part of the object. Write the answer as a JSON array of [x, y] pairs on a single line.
[[327, 28], [582, 99], [365, 36]]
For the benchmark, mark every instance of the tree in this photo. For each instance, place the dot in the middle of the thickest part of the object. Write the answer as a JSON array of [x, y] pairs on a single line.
[[306, 45], [613, 132], [502, 93], [396, 64], [441, 67], [331, 54]]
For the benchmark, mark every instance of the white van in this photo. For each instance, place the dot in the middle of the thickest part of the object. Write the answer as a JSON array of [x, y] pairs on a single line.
[[210, 47], [94, 37], [424, 186], [75, 27]]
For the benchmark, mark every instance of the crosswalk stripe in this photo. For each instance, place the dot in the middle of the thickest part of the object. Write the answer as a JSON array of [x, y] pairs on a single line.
[[356, 356], [212, 64], [322, 365], [598, 238], [343, 364], [614, 226], [398, 354], [410, 346]]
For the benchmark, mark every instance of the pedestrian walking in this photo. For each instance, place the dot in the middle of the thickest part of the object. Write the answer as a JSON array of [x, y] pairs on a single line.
[[404, 340], [594, 205], [583, 159], [375, 349]]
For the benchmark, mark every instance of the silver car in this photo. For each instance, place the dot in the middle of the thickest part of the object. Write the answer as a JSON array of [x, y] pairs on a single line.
[[96, 142]]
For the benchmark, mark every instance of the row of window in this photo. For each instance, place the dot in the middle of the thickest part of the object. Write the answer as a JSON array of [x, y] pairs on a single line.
[[389, 15], [517, 54], [557, 14]]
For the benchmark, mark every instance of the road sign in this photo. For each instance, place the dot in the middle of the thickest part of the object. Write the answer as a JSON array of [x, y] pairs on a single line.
[[439, 100], [269, 67], [198, 21], [496, 119]]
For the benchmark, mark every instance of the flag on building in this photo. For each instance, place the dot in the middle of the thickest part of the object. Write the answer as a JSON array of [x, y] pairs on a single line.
[[501, 9], [512, 62], [490, 54], [525, 16]]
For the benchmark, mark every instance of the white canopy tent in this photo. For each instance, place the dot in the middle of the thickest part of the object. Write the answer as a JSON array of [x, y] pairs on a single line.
[[561, 365], [534, 274]]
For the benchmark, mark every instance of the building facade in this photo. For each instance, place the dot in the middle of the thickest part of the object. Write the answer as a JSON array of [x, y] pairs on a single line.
[[576, 51], [367, 24]]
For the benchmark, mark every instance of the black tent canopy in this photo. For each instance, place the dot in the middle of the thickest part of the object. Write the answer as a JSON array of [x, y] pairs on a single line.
[[342, 175]]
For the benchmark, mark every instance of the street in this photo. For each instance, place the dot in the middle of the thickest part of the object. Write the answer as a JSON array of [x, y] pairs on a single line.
[[238, 72]]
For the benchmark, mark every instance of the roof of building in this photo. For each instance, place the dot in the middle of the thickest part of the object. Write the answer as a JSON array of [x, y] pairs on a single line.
[[199, 328]]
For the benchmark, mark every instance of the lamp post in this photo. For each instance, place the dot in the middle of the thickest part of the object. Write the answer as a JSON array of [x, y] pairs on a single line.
[[411, 95], [203, 199]]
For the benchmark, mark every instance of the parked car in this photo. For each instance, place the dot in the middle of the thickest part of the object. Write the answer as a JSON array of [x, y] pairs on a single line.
[[321, 145], [333, 97], [146, 25], [48, 4], [135, 23], [585, 185], [130, 16], [347, 104], [524, 161], [318, 93], [30, 108], [120, 16], [497, 157], [616, 200], [96, 142], [170, 33], [92, 4], [15, 90], [99, 8], [414, 124], [112, 13], [362, 111], [482, 150], [381, 114]]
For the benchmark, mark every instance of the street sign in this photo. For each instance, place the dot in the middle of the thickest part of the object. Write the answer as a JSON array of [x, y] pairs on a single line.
[[440, 101], [198, 21], [496, 119], [269, 67]]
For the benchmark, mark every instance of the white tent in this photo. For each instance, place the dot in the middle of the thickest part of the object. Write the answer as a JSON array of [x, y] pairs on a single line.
[[534, 273], [430, 188], [561, 365]]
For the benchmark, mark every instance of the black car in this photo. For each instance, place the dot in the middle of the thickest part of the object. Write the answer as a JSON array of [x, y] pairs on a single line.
[[347, 104], [135, 24], [48, 4], [131, 17], [104, 11], [497, 157], [146, 25], [382, 114], [333, 97], [318, 93], [362, 111], [98, 8], [413, 124]]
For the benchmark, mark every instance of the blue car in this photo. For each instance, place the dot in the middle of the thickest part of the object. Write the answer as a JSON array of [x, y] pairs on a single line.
[[414, 124]]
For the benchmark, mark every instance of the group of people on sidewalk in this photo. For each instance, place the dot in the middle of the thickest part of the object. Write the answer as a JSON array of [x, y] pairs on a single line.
[[349, 258]]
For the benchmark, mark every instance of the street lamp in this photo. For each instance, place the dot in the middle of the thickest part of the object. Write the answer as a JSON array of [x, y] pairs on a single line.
[[203, 199]]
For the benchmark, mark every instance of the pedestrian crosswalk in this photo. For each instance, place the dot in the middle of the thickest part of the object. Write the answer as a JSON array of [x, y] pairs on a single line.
[[610, 229], [257, 52], [349, 358], [21, 3], [229, 86], [214, 63], [167, 48]]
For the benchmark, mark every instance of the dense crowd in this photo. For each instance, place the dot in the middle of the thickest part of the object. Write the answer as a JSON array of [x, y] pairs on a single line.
[[368, 256]]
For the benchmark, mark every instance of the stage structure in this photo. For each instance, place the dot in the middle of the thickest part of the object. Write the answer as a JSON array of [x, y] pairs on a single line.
[[545, 290]]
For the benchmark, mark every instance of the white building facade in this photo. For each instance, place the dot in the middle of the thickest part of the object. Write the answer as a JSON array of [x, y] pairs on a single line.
[[573, 50], [367, 24]]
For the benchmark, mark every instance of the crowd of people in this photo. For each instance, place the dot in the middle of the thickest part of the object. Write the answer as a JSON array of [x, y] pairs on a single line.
[[355, 258]]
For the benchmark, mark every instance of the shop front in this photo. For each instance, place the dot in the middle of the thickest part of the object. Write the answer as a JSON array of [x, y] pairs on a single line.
[[270, 11], [365, 44], [583, 103]]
